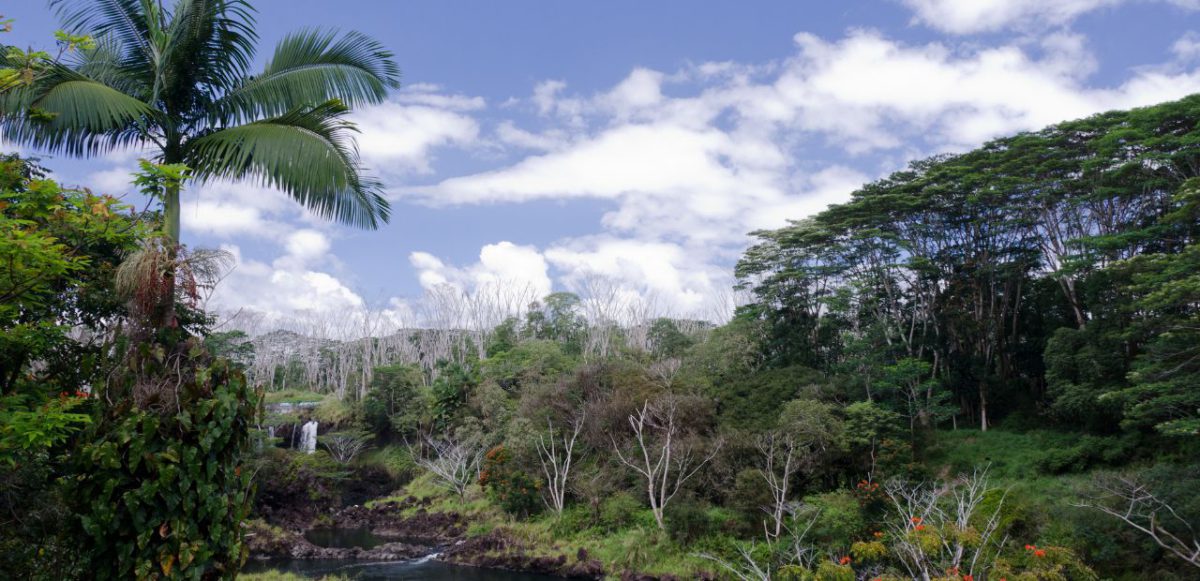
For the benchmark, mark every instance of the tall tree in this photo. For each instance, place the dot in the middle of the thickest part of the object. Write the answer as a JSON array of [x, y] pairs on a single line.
[[176, 80]]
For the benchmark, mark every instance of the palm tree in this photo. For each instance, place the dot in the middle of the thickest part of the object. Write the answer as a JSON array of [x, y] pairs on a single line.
[[176, 80]]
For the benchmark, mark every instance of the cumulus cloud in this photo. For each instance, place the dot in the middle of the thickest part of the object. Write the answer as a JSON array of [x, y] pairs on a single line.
[[1187, 48], [398, 137], [287, 286], [735, 147], [976, 16], [500, 264]]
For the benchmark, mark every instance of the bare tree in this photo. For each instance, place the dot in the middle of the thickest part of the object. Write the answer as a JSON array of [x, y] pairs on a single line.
[[344, 447], [454, 464], [556, 462], [779, 450], [950, 506], [800, 552], [667, 456], [1131, 501]]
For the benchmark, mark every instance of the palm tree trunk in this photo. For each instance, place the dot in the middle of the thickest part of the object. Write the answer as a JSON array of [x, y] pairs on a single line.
[[171, 230], [171, 215]]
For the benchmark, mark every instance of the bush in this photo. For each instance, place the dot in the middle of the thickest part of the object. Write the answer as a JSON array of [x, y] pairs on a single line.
[[619, 511], [514, 490], [840, 522], [688, 520], [395, 460], [160, 493], [335, 412]]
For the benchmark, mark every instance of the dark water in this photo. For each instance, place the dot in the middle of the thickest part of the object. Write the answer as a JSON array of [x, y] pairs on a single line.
[[425, 568], [344, 538], [422, 569]]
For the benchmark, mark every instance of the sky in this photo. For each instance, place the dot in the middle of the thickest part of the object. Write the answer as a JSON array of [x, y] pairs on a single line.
[[634, 145]]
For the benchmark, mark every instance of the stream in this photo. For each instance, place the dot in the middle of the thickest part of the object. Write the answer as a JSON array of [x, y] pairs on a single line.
[[425, 568]]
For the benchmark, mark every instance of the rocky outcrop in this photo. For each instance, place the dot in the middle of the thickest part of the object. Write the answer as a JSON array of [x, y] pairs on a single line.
[[496, 550], [387, 520], [267, 542]]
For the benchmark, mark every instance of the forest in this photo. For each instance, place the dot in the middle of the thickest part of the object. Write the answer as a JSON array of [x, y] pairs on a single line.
[[984, 366]]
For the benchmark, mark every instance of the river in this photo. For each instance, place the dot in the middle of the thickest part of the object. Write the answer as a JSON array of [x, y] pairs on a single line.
[[421, 569], [424, 569]]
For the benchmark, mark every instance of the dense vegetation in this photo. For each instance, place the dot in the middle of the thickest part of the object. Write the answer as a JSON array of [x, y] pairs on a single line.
[[984, 366], [123, 439], [1017, 323]]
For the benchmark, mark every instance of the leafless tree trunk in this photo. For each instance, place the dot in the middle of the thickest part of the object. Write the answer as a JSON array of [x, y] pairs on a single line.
[[454, 464], [556, 462], [665, 460], [780, 463]]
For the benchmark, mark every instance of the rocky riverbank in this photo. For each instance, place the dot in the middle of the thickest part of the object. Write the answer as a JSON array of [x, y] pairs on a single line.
[[408, 530]]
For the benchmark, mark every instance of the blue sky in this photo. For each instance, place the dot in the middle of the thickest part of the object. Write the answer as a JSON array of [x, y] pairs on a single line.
[[630, 146]]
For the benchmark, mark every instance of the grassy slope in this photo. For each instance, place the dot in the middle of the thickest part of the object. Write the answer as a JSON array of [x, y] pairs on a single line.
[[636, 545]]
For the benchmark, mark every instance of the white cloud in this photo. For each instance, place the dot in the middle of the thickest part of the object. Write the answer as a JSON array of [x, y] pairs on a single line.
[[503, 264], [976, 16], [287, 287], [1187, 48], [734, 147], [397, 139]]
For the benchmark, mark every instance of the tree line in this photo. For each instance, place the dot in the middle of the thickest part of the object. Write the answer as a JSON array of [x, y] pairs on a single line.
[[1051, 271]]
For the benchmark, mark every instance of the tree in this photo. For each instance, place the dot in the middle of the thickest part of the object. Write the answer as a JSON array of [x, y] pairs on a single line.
[[781, 461], [1134, 503], [922, 397], [454, 463], [663, 453], [556, 461], [177, 80]]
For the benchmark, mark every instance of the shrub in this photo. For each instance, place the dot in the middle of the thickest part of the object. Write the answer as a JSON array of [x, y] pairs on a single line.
[[688, 520], [162, 493], [840, 521], [618, 511], [514, 490]]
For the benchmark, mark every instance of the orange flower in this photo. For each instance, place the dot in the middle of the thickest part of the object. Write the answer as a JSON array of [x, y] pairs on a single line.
[[844, 560], [878, 534], [1039, 553], [968, 578], [920, 527], [916, 520]]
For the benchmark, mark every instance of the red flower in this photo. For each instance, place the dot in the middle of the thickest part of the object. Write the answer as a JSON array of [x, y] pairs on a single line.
[[844, 560], [920, 527], [1039, 553], [1030, 547], [916, 520], [968, 578]]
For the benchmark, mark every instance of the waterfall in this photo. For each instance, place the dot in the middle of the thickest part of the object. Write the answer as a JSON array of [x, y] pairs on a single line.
[[308, 437]]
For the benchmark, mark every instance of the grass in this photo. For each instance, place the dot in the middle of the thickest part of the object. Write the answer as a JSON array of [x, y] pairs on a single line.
[[395, 460], [636, 545], [292, 396]]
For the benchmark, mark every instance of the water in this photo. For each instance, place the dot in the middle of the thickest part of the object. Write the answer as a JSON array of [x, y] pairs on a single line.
[[344, 538], [421, 569]]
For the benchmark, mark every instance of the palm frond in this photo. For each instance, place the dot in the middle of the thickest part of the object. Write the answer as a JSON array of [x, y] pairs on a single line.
[[122, 20], [210, 42], [311, 67], [308, 153], [69, 113], [105, 64]]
